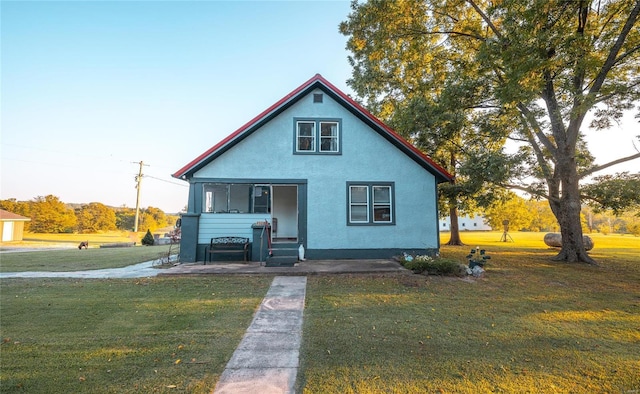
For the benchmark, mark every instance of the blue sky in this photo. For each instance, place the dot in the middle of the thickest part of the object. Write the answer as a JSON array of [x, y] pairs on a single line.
[[89, 89]]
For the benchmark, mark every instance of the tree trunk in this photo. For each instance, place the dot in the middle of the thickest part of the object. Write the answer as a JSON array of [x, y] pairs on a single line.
[[455, 230], [567, 210], [453, 206]]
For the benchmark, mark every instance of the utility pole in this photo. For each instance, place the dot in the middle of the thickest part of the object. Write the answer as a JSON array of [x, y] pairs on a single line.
[[138, 184]]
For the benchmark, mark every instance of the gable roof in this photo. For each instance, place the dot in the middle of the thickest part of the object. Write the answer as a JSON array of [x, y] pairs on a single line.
[[7, 216], [317, 82]]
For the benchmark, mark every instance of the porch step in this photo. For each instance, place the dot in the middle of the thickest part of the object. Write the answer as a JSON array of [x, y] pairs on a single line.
[[281, 261], [283, 254]]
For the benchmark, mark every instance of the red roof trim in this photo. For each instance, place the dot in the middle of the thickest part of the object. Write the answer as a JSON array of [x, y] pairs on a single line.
[[247, 125], [387, 129], [316, 78]]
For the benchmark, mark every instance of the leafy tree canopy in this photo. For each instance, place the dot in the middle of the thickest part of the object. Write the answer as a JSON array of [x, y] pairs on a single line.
[[514, 209], [94, 217], [618, 192], [50, 215], [484, 71]]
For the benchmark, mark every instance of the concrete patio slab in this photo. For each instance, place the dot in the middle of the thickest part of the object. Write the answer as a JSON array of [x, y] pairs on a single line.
[[308, 267]]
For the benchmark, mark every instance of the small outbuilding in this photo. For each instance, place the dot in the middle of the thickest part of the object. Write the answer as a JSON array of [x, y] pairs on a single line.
[[12, 227]]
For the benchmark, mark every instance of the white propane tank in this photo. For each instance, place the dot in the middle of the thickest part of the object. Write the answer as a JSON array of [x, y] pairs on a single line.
[[301, 252]]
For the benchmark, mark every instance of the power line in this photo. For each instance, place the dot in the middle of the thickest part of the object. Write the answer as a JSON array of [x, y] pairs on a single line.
[[164, 180], [76, 154]]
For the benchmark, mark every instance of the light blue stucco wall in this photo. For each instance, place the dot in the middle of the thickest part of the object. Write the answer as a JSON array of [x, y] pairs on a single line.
[[366, 157]]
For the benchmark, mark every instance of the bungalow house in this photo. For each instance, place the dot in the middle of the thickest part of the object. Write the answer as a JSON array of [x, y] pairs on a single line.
[[323, 173], [12, 226]]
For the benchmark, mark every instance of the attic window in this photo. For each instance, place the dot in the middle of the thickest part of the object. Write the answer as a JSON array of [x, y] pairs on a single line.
[[315, 136], [317, 97]]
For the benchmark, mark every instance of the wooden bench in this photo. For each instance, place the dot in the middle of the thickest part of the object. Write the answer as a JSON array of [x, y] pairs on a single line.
[[227, 245]]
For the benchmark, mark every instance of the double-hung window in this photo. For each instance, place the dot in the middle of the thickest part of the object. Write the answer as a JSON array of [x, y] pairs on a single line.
[[329, 137], [317, 136], [306, 136], [370, 203]]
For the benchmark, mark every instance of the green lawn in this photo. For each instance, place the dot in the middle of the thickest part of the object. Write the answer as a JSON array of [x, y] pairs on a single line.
[[122, 336], [77, 260], [94, 239], [528, 325]]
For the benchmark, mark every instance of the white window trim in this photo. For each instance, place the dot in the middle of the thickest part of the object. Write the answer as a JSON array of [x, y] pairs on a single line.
[[352, 204], [312, 136], [386, 204], [371, 204], [337, 136], [316, 138]]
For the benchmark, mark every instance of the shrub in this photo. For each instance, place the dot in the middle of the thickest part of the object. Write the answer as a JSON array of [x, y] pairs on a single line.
[[634, 228], [148, 239], [431, 266]]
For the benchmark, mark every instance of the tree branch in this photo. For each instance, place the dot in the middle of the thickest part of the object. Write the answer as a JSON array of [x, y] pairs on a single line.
[[484, 16], [560, 133], [627, 53], [601, 202], [607, 165], [531, 119], [615, 49], [606, 23], [412, 32], [606, 97], [538, 152], [528, 190], [517, 139]]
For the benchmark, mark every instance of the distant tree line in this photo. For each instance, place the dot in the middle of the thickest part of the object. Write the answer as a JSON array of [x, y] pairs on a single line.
[[532, 215], [50, 215]]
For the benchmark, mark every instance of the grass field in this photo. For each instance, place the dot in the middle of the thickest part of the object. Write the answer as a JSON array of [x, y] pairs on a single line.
[[529, 325], [122, 336], [612, 248], [72, 240], [77, 260], [42, 240], [59, 252]]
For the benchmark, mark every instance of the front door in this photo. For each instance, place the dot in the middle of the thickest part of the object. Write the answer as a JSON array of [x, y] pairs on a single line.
[[284, 212]]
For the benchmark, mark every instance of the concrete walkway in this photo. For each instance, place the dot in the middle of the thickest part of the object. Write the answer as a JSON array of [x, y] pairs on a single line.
[[266, 361]]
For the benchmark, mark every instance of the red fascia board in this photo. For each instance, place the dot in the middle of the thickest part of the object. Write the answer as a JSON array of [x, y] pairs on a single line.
[[316, 78], [232, 136], [387, 129]]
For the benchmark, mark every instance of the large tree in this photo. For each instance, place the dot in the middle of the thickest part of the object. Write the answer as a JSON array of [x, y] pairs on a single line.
[[94, 217], [456, 135], [544, 64], [50, 215], [18, 207], [513, 209]]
